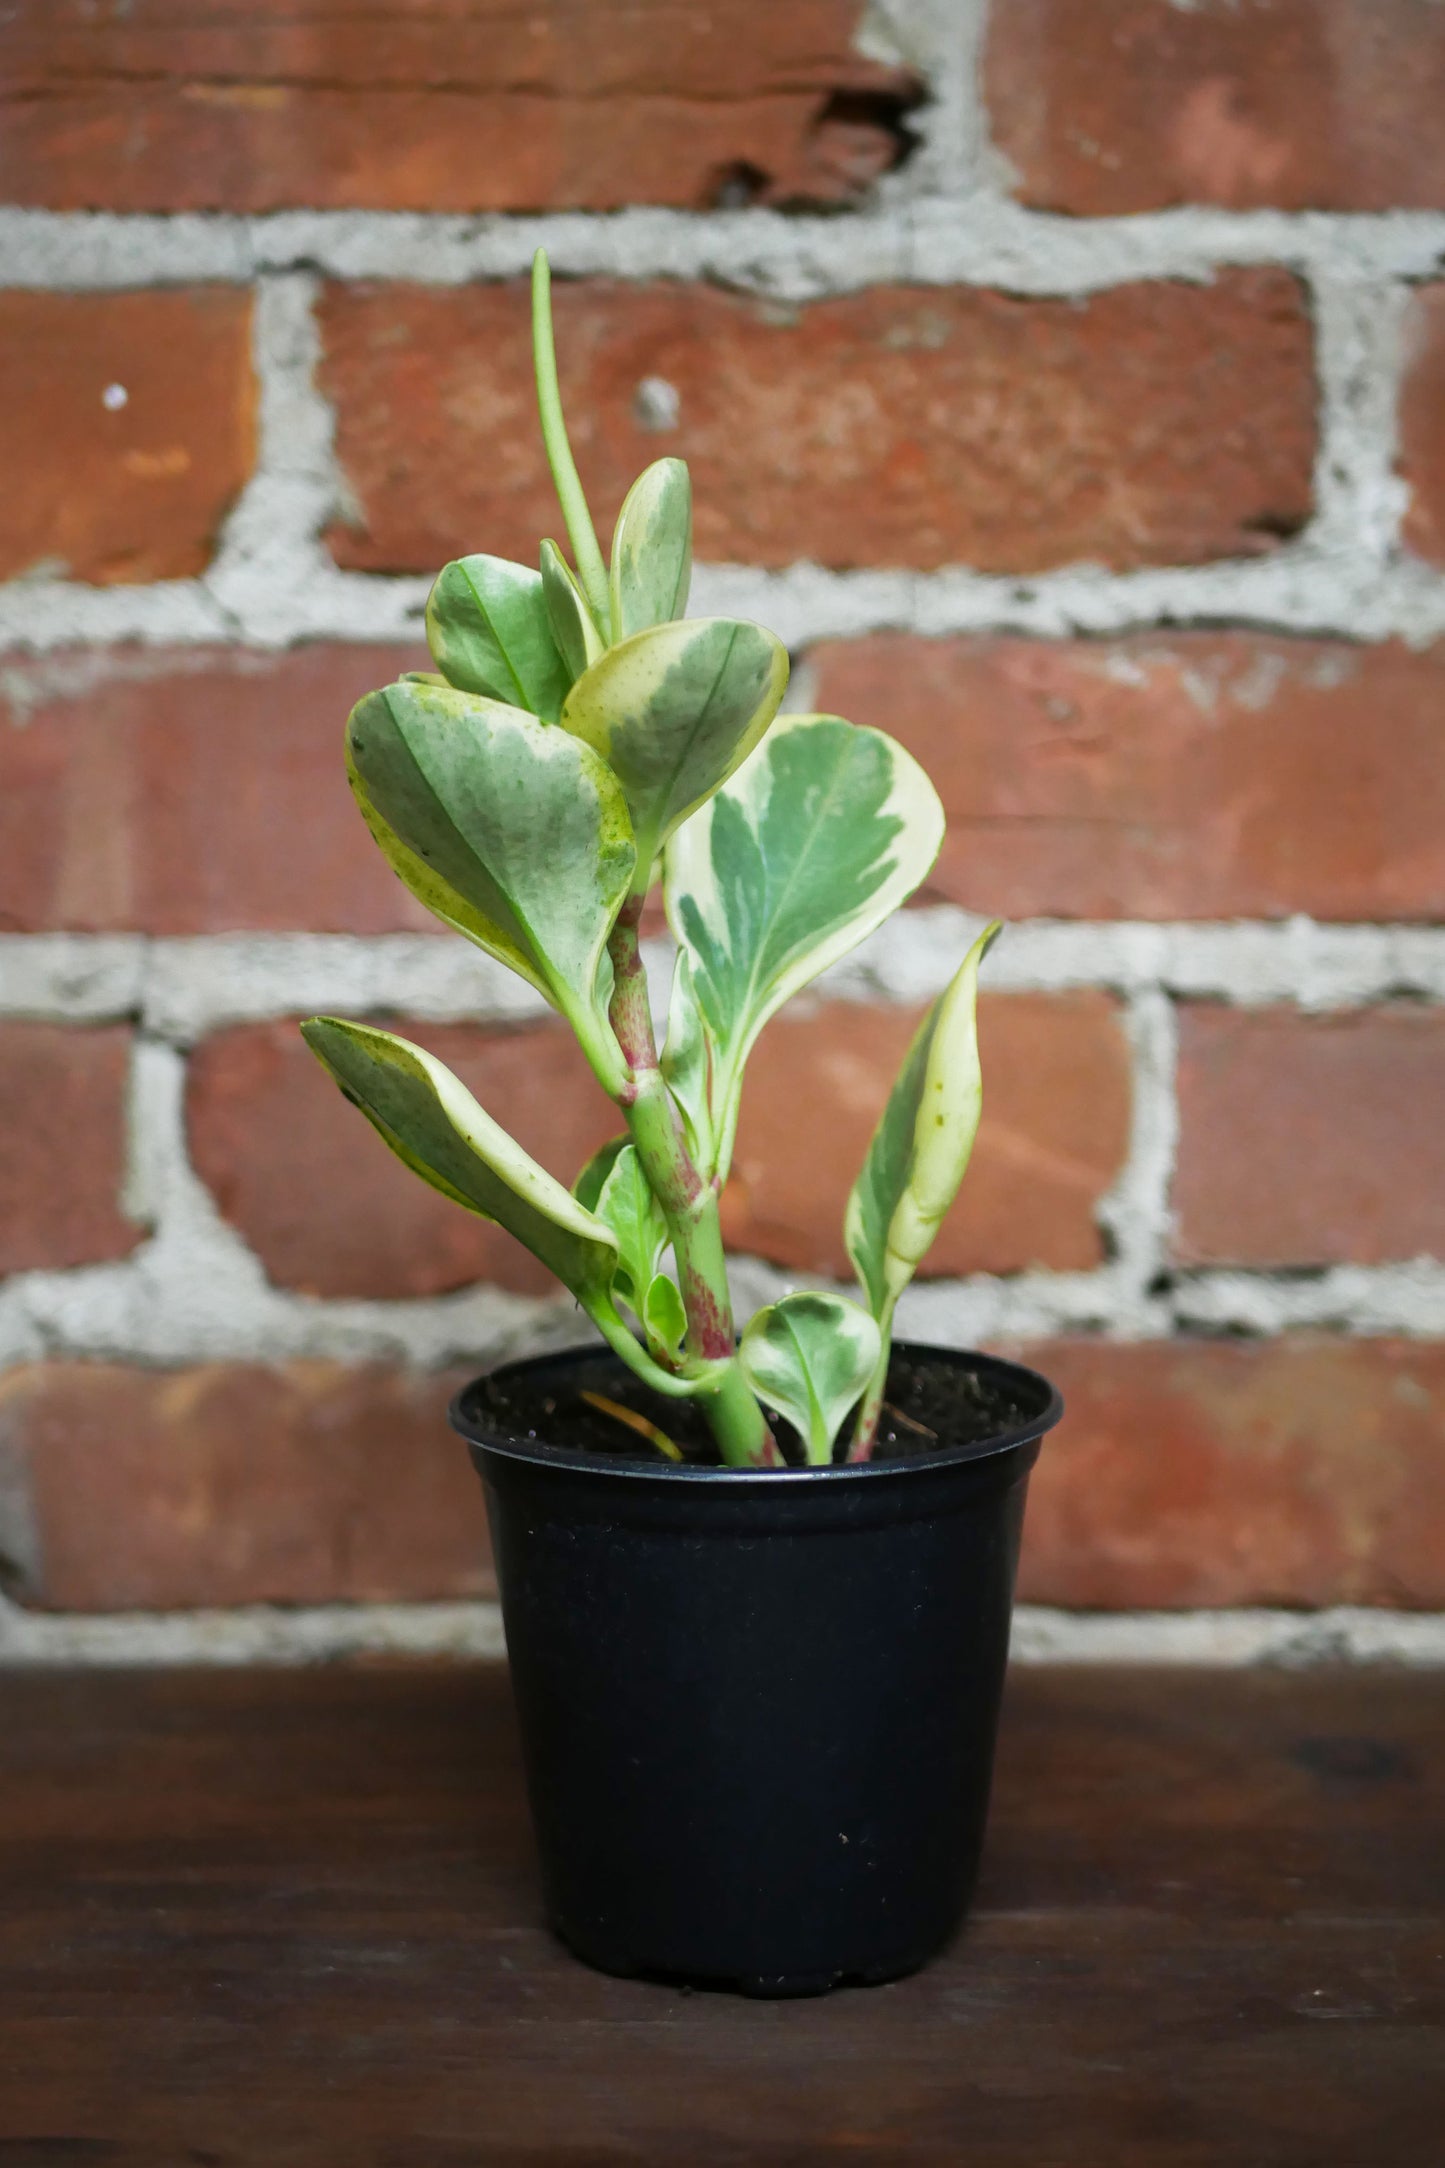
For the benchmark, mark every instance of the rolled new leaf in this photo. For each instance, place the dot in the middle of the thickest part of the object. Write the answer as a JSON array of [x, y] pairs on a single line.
[[673, 711], [489, 631], [573, 626], [810, 1357], [652, 550], [472, 799], [922, 1145], [432, 1123], [814, 842]]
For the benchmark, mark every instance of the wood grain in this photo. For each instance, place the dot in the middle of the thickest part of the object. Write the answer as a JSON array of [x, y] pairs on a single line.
[[290, 1918]]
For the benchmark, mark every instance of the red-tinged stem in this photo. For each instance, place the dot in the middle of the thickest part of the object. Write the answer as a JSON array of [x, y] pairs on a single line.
[[689, 1205], [865, 1430]]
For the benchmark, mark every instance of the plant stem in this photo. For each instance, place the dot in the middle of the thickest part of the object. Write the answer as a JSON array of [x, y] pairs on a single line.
[[590, 567], [689, 1205], [738, 1423], [613, 1329], [865, 1430]]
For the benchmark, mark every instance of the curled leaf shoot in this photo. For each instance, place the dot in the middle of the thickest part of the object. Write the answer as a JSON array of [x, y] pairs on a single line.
[[574, 628], [915, 1162], [591, 569]]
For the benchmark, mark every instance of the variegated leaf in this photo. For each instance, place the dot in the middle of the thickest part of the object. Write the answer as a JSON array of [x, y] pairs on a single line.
[[819, 836], [673, 711], [922, 1145], [652, 550], [520, 820], [489, 632], [432, 1123], [810, 1357], [427, 885], [573, 626]]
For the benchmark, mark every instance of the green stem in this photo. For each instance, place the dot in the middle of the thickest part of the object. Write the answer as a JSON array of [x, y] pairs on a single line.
[[626, 1344], [690, 1207], [604, 1057], [738, 1423], [865, 1430], [591, 569]]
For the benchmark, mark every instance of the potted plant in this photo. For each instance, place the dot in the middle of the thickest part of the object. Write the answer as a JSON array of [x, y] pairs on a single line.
[[756, 1589]]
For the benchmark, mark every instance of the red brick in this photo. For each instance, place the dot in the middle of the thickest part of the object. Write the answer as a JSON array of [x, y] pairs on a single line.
[[188, 791], [1422, 424], [230, 1483], [1180, 775], [320, 1198], [1212, 1472], [435, 107], [1303, 1471], [1054, 1134], [135, 490], [1132, 105], [62, 1145], [1153, 424], [1310, 1140]]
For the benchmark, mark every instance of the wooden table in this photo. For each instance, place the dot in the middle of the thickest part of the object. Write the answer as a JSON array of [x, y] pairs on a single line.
[[289, 1918]]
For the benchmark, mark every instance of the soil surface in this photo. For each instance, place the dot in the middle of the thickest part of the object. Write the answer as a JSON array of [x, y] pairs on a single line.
[[931, 1403]]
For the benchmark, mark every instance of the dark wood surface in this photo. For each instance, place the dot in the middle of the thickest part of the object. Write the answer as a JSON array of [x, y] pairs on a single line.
[[271, 1917]]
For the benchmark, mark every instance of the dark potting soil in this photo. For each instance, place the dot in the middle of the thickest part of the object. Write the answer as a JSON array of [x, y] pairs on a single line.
[[930, 1404]]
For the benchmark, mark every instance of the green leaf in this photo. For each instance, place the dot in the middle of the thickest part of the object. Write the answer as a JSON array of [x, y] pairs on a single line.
[[810, 1357], [588, 1186], [489, 632], [687, 1063], [664, 1319], [673, 711], [573, 626], [652, 549], [432, 1123], [921, 1147], [521, 822], [628, 1207], [813, 843]]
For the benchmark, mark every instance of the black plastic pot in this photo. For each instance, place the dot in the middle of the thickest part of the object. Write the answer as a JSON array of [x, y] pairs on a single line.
[[757, 1709]]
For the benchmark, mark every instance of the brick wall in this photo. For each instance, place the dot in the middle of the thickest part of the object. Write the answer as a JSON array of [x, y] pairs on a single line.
[[1065, 385]]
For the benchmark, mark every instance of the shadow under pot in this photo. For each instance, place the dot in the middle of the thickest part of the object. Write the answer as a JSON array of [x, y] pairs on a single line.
[[757, 1708]]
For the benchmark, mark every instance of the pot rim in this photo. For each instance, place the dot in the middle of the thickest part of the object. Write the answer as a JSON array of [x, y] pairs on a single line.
[[540, 1454]]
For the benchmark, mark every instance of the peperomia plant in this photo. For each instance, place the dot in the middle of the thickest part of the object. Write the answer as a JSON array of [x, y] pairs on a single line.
[[578, 737]]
